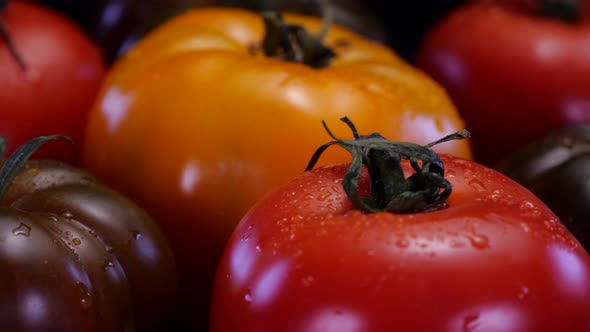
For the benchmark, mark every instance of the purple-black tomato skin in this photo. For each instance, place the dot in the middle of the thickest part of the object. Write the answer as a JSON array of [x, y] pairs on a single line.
[[78, 256]]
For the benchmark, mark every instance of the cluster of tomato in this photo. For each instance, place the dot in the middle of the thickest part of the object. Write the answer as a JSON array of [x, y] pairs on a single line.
[[201, 191]]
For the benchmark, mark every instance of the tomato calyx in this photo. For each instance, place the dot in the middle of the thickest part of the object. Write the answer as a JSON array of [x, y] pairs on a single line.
[[10, 167], [293, 43], [8, 40], [564, 10], [390, 190]]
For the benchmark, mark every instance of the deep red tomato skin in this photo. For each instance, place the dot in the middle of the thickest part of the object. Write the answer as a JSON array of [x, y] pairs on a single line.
[[496, 259], [63, 75], [514, 76]]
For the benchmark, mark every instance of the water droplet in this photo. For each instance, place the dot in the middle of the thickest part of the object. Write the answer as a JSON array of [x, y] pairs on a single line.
[[470, 323], [107, 262], [477, 185], [523, 293], [52, 218], [526, 205], [258, 248], [525, 227], [324, 196], [402, 243], [307, 197], [248, 297], [479, 241], [227, 276], [67, 215], [307, 281], [451, 174], [86, 300], [22, 229], [76, 241], [135, 234]]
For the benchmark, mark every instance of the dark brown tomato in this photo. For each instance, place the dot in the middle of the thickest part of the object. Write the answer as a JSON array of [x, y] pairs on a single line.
[[77, 256], [557, 169]]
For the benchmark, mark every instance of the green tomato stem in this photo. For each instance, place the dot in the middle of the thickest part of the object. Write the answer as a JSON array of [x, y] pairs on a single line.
[[293, 43], [565, 10], [10, 168], [390, 190], [9, 42]]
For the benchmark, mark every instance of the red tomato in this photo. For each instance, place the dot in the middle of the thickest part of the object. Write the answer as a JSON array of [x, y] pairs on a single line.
[[493, 259], [514, 75], [53, 93]]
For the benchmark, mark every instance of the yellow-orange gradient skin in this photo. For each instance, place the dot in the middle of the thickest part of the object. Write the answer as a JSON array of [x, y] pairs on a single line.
[[195, 124]]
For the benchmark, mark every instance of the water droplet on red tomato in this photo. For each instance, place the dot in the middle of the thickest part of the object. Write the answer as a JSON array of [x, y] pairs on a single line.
[[479, 241], [324, 196], [307, 197], [22, 229], [402, 243], [470, 323], [523, 293], [307, 281], [248, 297], [526, 205], [477, 185]]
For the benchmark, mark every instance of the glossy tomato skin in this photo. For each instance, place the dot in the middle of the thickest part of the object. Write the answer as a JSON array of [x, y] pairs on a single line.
[[201, 125], [514, 75], [78, 256], [495, 259], [56, 91], [556, 168]]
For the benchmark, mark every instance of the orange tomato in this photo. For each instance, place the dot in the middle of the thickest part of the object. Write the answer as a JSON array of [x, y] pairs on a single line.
[[195, 123]]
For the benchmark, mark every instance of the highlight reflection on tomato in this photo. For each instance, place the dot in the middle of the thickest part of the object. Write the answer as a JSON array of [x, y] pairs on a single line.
[[48, 81], [495, 258], [76, 255], [516, 69], [556, 168]]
